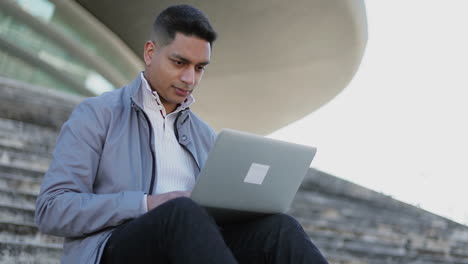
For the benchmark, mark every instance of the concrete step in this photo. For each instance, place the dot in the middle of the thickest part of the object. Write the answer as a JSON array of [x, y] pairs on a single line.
[[17, 126], [20, 135], [354, 251], [25, 159], [20, 199], [22, 170], [20, 183], [21, 233], [29, 149], [36, 105], [12, 252], [357, 242], [16, 214], [315, 205], [396, 243], [326, 228], [339, 257], [8, 140]]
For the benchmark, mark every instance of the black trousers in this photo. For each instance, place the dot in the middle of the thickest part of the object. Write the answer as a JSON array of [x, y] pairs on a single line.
[[180, 231]]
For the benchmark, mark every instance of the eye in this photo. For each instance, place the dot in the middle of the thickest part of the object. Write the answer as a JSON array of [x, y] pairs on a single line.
[[178, 62], [201, 68]]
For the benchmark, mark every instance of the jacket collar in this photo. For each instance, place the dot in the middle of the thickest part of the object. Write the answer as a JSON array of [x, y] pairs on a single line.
[[151, 99], [181, 124], [136, 93]]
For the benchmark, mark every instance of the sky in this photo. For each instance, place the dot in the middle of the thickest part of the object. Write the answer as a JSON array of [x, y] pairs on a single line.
[[400, 127]]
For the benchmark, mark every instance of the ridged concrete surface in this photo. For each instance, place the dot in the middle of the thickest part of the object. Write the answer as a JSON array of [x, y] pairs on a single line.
[[349, 223], [352, 224], [24, 156]]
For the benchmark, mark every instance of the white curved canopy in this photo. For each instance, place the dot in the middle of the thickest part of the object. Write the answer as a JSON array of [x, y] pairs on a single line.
[[274, 61]]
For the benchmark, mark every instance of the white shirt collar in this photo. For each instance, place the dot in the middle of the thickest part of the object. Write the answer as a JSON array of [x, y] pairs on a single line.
[[152, 101]]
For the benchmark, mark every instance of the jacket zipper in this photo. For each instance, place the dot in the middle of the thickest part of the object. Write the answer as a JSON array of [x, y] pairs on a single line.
[[153, 176], [177, 135]]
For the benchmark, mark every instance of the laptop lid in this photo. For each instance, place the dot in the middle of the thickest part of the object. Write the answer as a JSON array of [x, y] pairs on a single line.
[[250, 173]]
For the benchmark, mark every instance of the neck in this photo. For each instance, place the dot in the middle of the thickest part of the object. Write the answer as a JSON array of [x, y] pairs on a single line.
[[169, 107]]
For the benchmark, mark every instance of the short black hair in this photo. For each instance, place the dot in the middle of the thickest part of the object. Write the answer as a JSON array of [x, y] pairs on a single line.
[[184, 19]]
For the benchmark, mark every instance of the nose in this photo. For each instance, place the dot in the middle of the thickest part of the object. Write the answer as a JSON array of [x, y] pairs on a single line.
[[188, 76]]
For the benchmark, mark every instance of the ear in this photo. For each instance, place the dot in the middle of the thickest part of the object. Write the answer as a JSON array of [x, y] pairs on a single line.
[[148, 52]]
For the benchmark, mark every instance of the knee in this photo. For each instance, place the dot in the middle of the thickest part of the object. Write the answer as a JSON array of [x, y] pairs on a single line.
[[185, 207], [182, 204], [286, 228], [284, 222], [182, 212], [177, 211]]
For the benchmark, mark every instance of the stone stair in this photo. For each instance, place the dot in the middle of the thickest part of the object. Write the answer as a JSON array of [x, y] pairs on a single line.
[[24, 157], [355, 225], [29, 121], [349, 223]]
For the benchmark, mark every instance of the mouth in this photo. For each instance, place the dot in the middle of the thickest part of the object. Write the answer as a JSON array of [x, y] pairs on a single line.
[[182, 92]]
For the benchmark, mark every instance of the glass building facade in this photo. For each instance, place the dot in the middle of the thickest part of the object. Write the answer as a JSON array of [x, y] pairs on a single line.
[[57, 44]]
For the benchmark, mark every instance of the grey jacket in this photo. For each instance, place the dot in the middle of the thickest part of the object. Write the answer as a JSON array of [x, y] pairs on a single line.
[[102, 165]]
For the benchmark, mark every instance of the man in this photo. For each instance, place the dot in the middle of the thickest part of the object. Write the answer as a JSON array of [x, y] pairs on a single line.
[[119, 184]]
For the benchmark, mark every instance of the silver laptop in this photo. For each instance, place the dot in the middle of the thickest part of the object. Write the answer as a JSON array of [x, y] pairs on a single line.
[[248, 175]]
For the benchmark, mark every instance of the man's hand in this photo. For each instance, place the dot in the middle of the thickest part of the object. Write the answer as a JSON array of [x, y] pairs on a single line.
[[153, 201]]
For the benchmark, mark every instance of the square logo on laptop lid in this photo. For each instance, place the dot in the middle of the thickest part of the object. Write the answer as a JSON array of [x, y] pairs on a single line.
[[256, 173]]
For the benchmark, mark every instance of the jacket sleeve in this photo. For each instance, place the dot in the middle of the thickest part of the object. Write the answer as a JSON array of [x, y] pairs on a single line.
[[66, 205]]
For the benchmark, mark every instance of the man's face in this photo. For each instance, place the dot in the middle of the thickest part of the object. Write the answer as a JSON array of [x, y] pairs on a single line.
[[176, 69]]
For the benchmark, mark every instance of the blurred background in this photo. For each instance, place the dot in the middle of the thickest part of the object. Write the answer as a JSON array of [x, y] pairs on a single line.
[[399, 127]]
